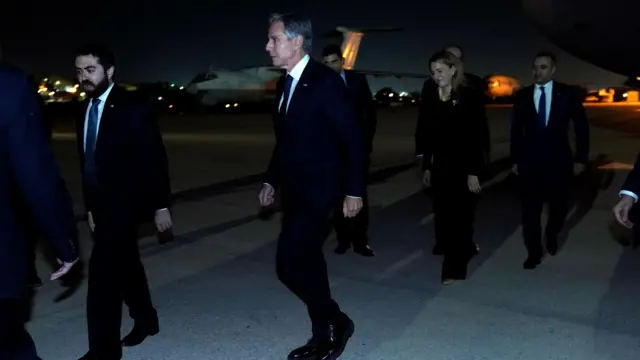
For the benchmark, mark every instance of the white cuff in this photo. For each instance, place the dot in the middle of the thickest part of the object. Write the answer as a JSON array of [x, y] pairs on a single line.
[[629, 193]]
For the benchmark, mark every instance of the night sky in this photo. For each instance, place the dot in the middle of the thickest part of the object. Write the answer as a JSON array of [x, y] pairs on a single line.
[[171, 41]]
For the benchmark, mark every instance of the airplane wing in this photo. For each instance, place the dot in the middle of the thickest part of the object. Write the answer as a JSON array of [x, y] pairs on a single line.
[[383, 74]]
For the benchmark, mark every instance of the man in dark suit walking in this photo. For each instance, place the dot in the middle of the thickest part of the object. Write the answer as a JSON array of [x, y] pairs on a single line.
[[315, 126], [542, 156], [27, 163], [353, 231], [125, 181]]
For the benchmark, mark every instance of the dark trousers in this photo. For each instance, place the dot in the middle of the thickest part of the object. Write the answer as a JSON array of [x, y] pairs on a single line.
[[116, 276], [301, 266], [535, 192], [454, 208], [353, 231], [15, 341]]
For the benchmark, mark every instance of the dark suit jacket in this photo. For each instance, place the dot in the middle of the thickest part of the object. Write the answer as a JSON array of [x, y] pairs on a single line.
[[308, 162], [131, 161], [476, 85], [360, 92], [460, 145], [632, 183], [26, 159], [547, 149]]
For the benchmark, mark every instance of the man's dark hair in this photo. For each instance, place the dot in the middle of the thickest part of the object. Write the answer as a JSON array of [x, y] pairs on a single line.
[[548, 54], [332, 49], [99, 51]]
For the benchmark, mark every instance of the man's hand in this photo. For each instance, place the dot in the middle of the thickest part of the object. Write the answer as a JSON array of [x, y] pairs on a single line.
[[621, 210], [426, 178], [92, 225], [578, 168], [514, 169], [163, 220], [474, 184], [266, 195], [64, 269], [351, 206]]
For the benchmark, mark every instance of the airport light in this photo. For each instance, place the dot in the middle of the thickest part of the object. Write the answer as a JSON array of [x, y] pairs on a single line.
[[83, 94], [171, 106], [181, 87], [173, 85], [52, 93], [227, 106], [58, 82], [159, 97]]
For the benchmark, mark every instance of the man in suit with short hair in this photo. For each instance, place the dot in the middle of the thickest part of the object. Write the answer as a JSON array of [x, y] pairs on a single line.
[[125, 181], [27, 164], [317, 160], [353, 232], [542, 156]]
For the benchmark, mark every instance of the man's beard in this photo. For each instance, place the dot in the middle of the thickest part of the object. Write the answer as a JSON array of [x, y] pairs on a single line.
[[97, 89]]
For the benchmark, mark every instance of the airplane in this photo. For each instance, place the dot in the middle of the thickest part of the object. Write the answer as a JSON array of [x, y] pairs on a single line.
[[257, 84], [604, 34]]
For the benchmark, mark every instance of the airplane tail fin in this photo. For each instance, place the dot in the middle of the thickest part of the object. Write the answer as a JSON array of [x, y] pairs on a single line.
[[351, 40]]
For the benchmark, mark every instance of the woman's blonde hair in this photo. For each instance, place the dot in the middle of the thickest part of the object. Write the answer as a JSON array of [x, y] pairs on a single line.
[[450, 60]]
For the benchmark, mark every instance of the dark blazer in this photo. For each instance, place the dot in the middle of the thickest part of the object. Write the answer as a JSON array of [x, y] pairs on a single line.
[[546, 148], [474, 84], [464, 146], [27, 160], [360, 92], [130, 156], [308, 162], [632, 183]]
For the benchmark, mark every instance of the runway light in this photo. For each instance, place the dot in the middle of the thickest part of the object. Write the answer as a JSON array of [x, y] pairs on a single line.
[[173, 85], [181, 87], [52, 93], [171, 106], [58, 82], [227, 106], [83, 94], [235, 105], [159, 97], [390, 94]]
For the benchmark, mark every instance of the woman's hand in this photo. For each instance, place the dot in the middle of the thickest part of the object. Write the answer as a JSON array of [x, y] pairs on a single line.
[[474, 184]]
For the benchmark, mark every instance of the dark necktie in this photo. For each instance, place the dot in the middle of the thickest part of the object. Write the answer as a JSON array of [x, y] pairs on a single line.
[[542, 107], [285, 95], [90, 144]]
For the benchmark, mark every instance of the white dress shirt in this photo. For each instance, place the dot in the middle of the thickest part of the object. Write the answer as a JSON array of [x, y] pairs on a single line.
[[296, 74], [548, 92], [103, 100]]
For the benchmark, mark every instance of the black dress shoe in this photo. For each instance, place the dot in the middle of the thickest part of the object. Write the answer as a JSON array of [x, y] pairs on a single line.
[[327, 346], [91, 356], [552, 245], [365, 250], [438, 250], [531, 263], [139, 333], [342, 248], [34, 281]]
